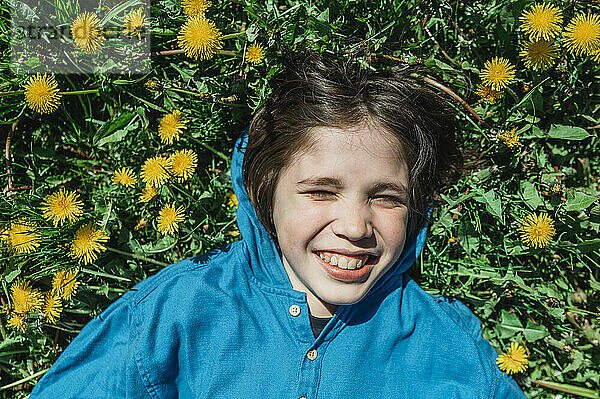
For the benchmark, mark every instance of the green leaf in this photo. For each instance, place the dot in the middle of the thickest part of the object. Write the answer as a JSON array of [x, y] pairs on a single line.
[[493, 203], [568, 132], [509, 325], [534, 332], [530, 195], [112, 125], [578, 201]]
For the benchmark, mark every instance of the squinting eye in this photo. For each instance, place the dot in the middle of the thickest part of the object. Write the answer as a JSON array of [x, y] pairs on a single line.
[[320, 194], [391, 200]]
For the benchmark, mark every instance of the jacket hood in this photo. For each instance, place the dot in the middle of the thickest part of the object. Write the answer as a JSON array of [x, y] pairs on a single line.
[[265, 261]]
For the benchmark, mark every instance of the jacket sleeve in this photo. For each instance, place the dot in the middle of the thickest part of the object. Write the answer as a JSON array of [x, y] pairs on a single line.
[[99, 362], [505, 386]]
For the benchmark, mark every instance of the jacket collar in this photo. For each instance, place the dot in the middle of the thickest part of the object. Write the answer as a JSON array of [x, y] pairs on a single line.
[[265, 262]]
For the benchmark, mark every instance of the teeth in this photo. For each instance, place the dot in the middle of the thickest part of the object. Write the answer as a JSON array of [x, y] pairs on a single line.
[[352, 263], [344, 262]]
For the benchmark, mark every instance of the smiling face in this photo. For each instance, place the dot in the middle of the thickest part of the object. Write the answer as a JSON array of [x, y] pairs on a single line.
[[341, 204]]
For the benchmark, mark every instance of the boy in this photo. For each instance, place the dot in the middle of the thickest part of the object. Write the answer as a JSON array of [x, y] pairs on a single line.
[[333, 179]]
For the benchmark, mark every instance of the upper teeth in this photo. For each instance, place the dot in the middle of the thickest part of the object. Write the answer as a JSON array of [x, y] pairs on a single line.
[[344, 261]]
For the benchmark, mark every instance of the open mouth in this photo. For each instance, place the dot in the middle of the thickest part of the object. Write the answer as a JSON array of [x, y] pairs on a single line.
[[348, 262]]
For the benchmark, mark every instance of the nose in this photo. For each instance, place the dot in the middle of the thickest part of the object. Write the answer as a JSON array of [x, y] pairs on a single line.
[[353, 221]]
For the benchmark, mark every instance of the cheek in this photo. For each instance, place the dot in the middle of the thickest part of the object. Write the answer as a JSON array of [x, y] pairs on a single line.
[[392, 228]]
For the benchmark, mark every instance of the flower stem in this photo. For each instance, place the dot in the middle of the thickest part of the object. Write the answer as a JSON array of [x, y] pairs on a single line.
[[139, 257], [11, 93], [19, 382], [76, 92]]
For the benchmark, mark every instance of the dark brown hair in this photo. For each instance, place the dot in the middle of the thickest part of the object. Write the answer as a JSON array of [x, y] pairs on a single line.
[[314, 90]]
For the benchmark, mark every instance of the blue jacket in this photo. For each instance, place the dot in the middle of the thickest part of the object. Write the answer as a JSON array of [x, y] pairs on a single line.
[[226, 325]]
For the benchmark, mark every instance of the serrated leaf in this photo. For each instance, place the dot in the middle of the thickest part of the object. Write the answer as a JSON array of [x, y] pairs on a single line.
[[493, 203], [578, 201]]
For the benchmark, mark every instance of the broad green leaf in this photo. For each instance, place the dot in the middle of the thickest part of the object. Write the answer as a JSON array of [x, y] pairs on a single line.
[[568, 132], [493, 203], [112, 125], [509, 325], [534, 332], [578, 201], [530, 195]]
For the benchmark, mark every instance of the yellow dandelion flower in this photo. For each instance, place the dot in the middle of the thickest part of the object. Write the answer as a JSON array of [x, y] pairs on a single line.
[[556, 188], [542, 21], [195, 8], [17, 322], [140, 224], [487, 94], [125, 177], [42, 94], [21, 237], [582, 34], [170, 126], [61, 206], [155, 171], [147, 194], [541, 54], [152, 86], [232, 200], [509, 138], [255, 54], [24, 298], [65, 284], [52, 307], [135, 22], [183, 164], [515, 361], [87, 32], [199, 38], [87, 243], [497, 73], [168, 218], [537, 230]]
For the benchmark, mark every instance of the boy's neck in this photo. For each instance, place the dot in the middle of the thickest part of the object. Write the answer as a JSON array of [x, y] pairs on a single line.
[[322, 310]]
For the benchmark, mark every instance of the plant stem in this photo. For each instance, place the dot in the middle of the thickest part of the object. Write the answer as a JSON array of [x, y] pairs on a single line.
[[19, 382], [135, 256], [88, 91]]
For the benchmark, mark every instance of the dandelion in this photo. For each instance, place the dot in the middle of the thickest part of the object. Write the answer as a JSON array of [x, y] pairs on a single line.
[[125, 177], [17, 322], [200, 38], [556, 188], [582, 34], [140, 224], [195, 8], [183, 164], [155, 171], [488, 94], [62, 205], [87, 243], [542, 21], [170, 126], [52, 307], [22, 237], [497, 73], [255, 54], [24, 298], [152, 86], [134, 23], [232, 200], [541, 54], [168, 217], [65, 284], [515, 361], [42, 93], [509, 138], [537, 230], [147, 194], [87, 32]]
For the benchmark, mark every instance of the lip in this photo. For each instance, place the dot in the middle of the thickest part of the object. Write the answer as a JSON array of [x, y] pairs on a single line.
[[347, 275], [345, 252]]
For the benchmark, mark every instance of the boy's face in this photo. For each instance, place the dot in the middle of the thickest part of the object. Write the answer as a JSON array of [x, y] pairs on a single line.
[[345, 200]]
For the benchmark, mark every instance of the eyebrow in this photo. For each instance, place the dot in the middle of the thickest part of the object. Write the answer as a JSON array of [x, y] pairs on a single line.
[[337, 183]]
